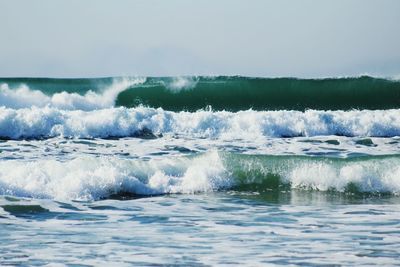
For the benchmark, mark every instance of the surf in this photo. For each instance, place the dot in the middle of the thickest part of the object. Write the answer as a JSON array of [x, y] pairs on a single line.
[[48, 122], [91, 178]]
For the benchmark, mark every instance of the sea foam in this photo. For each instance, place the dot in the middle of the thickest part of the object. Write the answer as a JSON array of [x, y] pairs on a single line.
[[248, 125], [91, 178]]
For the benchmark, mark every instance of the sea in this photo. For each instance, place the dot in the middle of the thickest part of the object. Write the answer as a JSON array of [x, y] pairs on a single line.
[[200, 171]]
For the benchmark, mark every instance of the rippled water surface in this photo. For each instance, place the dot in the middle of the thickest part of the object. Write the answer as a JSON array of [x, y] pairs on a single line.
[[299, 228]]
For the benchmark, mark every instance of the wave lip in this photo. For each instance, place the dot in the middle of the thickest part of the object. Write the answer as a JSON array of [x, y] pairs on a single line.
[[89, 178], [247, 125], [24, 97]]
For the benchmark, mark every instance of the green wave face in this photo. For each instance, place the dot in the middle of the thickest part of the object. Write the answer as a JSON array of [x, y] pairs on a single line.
[[50, 86], [234, 93], [365, 174], [239, 93]]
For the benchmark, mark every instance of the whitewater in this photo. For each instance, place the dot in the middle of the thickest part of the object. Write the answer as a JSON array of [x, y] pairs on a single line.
[[260, 171]]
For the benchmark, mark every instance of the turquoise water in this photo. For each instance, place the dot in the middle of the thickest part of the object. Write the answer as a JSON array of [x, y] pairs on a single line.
[[199, 171]]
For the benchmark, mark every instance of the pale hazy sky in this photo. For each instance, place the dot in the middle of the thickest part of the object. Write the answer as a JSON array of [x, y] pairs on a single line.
[[303, 38]]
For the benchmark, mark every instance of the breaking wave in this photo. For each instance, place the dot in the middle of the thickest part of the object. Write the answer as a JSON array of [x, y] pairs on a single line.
[[90, 178], [34, 123], [21, 96], [192, 93]]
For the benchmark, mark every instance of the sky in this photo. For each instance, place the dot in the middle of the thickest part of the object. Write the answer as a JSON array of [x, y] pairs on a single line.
[[303, 38]]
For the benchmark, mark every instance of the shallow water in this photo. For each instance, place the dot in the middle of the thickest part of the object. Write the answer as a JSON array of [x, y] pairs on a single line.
[[298, 228], [79, 224]]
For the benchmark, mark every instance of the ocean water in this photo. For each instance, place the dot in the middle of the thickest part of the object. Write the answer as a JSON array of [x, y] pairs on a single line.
[[199, 171]]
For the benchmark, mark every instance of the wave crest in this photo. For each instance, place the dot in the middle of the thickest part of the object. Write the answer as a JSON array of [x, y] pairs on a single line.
[[24, 97]]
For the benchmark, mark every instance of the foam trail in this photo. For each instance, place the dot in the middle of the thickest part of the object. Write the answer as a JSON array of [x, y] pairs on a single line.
[[23, 97], [247, 125]]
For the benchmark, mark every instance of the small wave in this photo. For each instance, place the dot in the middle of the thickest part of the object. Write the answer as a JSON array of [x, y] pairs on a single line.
[[247, 125], [24, 97], [90, 178], [366, 174]]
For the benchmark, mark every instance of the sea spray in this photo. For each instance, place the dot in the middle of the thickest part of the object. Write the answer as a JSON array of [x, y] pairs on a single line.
[[23, 97]]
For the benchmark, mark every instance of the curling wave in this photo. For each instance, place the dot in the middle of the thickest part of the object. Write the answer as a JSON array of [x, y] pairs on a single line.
[[242, 93], [232, 93], [22, 96]]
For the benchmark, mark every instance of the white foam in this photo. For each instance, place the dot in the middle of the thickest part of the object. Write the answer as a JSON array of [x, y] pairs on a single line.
[[90, 178], [368, 176], [247, 125], [23, 97]]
